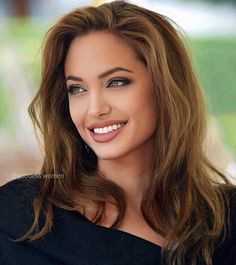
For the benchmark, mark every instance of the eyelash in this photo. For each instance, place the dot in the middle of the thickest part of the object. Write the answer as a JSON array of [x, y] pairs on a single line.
[[124, 82], [71, 88]]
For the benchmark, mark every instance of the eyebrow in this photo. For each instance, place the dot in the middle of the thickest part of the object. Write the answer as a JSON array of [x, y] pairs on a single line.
[[108, 72]]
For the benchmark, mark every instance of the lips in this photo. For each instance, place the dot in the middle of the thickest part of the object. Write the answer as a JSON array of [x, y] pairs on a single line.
[[107, 136]]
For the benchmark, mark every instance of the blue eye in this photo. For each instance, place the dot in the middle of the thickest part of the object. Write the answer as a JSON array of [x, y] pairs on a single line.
[[74, 90], [118, 82]]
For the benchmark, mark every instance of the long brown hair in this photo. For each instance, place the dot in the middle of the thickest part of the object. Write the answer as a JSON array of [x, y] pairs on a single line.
[[184, 201]]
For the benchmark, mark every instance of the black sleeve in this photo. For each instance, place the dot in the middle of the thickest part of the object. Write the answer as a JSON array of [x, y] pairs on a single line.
[[17, 216], [16, 205]]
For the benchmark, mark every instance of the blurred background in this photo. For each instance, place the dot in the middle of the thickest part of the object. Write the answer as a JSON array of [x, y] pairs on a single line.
[[210, 26]]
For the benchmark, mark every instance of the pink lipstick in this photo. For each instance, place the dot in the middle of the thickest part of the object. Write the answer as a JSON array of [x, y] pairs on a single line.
[[106, 136]]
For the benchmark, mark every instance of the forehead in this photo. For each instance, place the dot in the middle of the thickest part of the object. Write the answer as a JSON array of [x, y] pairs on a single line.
[[97, 47]]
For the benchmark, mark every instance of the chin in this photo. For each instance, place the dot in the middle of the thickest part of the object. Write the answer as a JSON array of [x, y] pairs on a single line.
[[109, 154]]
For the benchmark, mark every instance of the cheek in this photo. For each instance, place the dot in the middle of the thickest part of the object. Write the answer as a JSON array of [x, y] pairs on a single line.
[[144, 104], [146, 111], [76, 113]]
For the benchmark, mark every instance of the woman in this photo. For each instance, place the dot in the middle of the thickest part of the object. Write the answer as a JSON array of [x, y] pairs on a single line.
[[125, 179]]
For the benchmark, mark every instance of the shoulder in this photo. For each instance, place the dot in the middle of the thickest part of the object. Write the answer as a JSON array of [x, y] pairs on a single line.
[[16, 204], [19, 190], [26, 181]]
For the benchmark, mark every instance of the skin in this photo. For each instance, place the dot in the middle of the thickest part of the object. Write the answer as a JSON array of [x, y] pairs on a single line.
[[128, 157]]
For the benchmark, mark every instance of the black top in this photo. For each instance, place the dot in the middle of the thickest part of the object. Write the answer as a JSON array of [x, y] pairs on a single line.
[[74, 240]]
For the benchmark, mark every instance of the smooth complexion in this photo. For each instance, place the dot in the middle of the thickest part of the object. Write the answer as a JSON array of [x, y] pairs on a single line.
[[107, 82], [108, 85]]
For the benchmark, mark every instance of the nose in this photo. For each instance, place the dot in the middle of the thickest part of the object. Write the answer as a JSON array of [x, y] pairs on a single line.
[[98, 105]]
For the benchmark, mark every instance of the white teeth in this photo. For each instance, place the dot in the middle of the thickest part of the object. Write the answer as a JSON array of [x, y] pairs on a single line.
[[108, 128], [105, 129]]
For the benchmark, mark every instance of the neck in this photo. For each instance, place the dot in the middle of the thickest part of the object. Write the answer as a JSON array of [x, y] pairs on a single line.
[[131, 172]]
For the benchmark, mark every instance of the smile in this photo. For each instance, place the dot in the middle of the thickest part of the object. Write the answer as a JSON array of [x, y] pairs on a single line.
[[107, 133], [109, 128]]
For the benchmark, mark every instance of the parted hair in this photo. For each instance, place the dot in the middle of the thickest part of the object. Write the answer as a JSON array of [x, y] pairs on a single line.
[[185, 200]]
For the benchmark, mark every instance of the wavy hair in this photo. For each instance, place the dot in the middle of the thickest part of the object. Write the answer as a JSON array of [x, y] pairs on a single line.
[[184, 201]]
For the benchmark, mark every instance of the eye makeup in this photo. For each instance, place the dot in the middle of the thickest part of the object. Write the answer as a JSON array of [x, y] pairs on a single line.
[[75, 89], [119, 81], [112, 83]]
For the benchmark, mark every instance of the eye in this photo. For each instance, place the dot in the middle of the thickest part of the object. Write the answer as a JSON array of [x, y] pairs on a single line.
[[74, 90], [118, 82]]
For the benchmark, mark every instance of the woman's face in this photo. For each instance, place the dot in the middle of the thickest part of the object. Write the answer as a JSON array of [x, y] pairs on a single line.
[[111, 99]]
